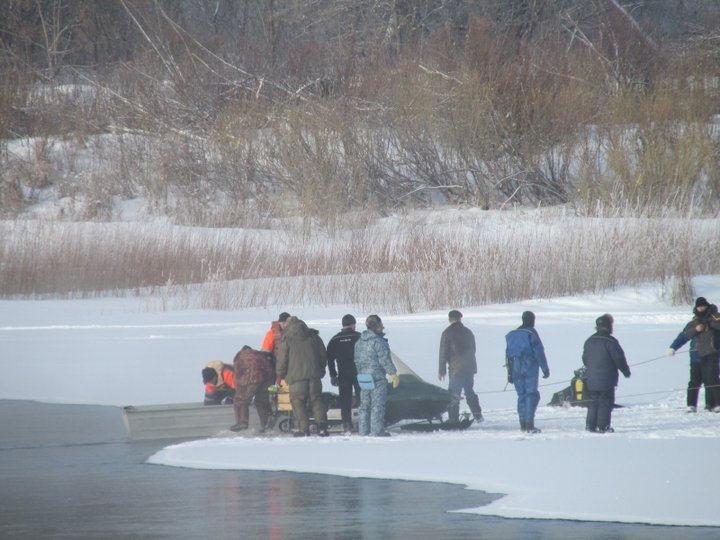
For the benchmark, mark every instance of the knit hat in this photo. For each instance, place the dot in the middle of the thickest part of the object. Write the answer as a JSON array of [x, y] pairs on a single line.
[[374, 323], [454, 315], [348, 320], [209, 375], [528, 319], [604, 322], [284, 316], [701, 301]]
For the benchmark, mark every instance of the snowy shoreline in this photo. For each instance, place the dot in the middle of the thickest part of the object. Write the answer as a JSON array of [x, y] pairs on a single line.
[[115, 352]]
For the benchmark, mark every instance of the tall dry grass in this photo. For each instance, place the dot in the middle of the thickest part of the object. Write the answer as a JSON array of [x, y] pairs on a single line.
[[396, 265]]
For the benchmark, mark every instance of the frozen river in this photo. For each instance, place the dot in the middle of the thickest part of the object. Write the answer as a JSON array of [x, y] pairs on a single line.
[[67, 472]]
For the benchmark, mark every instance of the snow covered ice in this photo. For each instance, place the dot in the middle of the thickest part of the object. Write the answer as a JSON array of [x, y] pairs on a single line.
[[652, 470]]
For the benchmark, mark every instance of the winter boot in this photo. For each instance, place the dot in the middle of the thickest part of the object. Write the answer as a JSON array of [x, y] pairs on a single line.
[[530, 427], [322, 430], [454, 413]]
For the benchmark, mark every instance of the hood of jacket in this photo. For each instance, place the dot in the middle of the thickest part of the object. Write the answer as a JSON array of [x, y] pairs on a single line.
[[371, 334], [297, 329]]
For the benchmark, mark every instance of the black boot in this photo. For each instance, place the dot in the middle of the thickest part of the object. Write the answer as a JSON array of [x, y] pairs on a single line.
[[454, 413], [530, 427]]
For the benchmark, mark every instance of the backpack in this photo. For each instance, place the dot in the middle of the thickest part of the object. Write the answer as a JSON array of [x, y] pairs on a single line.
[[517, 344]]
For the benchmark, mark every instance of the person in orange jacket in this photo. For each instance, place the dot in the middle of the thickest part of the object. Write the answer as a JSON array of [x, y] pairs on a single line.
[[219, 381], [271, 342]]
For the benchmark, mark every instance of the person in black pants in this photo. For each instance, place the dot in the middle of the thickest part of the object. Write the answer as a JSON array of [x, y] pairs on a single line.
[[603, 358], [341, 348], [705, 328]]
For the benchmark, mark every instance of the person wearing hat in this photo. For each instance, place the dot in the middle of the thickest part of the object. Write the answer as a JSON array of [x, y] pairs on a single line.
[[341, 349], [525, 356], [273, 337], [603, 358], [374, 362], [457, 360], [696, 378], [705, 328], [301, 362], [219, 380]]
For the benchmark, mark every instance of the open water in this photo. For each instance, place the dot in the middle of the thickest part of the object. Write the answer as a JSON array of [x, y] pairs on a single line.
[[67, 472]]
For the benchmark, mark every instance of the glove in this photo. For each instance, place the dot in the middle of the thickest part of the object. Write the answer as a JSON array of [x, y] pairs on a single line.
[[395, 380], [670, 352], [546, 374], [334, 381]]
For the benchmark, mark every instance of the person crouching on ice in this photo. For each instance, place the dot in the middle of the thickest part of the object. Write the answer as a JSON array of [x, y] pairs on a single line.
[[219, 381]]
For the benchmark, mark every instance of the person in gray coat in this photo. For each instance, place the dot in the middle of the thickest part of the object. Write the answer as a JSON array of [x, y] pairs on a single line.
[[374, 363], [603, 358]]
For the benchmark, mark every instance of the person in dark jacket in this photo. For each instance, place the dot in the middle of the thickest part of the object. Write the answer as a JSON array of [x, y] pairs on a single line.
[[603, 358], [301, 362], [457, 360], [705, 328], [693, 389], [374, 361], [254, 371], [341, 349], [525, 355]]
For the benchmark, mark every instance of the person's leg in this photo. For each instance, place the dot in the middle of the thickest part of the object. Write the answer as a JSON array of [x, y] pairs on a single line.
[[591, 419], [606, 401], [364, 412], [455, 388], [345, 389], [319, 409], [377, 410], [262, 403], [711, 378], [532, 397], [298, 399], [472, 398], [519, 382], [241, 404], [694, 385]]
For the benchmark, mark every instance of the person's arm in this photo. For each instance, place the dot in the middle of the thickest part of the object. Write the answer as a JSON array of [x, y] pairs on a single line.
[[331, 355], [618, 357], [539, 352], [443, 356], [382, 349]]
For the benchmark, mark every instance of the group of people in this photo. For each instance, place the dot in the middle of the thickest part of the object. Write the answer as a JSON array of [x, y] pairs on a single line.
[[359, 365], [295, 355]]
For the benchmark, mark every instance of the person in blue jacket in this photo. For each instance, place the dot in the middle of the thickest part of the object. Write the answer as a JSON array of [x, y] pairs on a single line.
[[525, 355], [693, 389]]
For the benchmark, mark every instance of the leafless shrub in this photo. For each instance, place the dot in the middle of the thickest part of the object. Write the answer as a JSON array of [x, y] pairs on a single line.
[[403, 265]]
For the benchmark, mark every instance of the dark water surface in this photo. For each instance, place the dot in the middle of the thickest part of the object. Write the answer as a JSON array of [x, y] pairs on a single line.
[[66, 471]]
